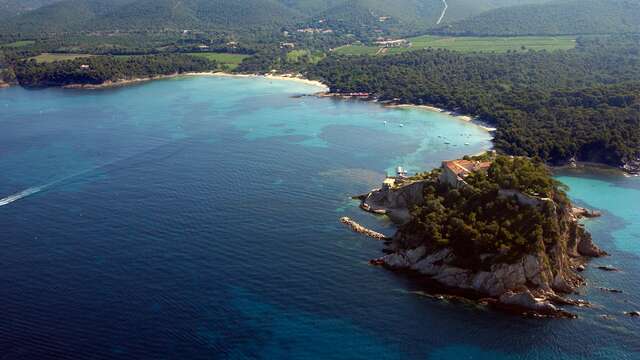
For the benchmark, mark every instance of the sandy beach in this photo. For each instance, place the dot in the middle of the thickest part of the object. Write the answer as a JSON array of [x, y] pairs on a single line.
[[454, 114], [285, 77], [125, 82]]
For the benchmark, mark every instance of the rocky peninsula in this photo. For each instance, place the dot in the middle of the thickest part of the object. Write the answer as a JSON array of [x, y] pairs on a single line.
[[496, 229]]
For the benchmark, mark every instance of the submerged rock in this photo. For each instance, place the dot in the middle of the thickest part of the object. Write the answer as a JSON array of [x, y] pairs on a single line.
[[616, 291], [608, 268]]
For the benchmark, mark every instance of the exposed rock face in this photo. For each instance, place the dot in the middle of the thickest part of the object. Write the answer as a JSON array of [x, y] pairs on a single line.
[[394, 202], [525, 299]]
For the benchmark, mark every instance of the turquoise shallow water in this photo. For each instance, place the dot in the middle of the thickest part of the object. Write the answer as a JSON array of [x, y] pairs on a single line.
[[197, 218]]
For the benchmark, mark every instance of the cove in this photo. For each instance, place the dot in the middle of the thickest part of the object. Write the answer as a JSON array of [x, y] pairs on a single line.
[[197, 218]]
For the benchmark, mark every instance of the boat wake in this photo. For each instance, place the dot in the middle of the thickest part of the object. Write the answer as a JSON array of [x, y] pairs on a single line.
[[22, 194], [155, 154]]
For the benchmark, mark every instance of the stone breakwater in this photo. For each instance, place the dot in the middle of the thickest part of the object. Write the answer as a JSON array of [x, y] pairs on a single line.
[[362, 230]]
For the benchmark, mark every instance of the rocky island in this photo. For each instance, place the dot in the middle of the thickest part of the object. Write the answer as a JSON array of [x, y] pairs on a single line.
[[491, 228]]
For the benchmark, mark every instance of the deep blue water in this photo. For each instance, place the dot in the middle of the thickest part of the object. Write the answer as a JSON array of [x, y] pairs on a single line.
[[197, 218]]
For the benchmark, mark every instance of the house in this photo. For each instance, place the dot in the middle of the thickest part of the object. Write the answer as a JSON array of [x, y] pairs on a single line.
[[393, 43], [455, 171], [389, 182], [401, 173]]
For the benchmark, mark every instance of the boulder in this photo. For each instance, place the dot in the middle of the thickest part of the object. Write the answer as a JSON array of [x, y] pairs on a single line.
[[586, 247], [525, 299]]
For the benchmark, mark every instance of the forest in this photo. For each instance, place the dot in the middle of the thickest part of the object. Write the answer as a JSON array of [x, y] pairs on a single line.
[[582, 104], [99, 69], [474, 220], [560, 17]]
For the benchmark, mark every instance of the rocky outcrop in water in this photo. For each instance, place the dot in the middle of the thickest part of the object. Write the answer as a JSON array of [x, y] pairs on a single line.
[[535, 282], [362, 230]]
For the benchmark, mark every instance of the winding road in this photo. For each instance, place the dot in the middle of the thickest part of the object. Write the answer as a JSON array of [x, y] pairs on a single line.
[[444, 11]]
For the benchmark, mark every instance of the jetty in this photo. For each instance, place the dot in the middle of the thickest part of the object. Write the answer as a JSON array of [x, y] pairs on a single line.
[[362, 230]]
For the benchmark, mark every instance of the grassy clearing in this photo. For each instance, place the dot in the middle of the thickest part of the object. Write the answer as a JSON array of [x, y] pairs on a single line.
[[18, 44], [469, 44], [230, 60], [296, 56], [49, 57]]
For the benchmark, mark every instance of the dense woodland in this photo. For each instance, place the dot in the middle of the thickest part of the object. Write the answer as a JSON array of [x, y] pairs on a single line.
[[583, 103], [100, 69], [474, 220], [553, 18]]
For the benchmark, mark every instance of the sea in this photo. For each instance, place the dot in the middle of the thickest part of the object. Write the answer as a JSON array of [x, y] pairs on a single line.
[[198, 218]]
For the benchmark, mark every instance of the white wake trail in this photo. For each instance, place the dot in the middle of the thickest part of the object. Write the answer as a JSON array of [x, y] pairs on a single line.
[[36, 189], [22, 194]]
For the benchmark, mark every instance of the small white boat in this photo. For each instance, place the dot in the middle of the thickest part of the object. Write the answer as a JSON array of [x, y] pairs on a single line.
[[401, 125]]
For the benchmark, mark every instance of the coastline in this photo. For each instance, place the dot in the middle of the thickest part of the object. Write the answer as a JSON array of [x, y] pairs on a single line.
[[285, 77], [467, 118], [585, 167], [456, 115], [133, 81]]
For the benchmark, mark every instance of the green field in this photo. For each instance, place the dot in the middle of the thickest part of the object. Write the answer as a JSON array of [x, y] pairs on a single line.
[[468, 44], [49, 57], [230, 60], [18, 44], [295, 56]]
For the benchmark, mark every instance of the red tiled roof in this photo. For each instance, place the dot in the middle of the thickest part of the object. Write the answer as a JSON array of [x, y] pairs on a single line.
[[464, 167]]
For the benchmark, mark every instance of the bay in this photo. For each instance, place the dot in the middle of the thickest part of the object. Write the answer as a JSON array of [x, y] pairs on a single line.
[[197, 218]]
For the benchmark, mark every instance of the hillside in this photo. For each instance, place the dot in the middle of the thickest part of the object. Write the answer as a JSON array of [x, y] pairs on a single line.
[[10, 8], [361, 17], [554, 18], [92, 15], [397, 17], [462, 9]]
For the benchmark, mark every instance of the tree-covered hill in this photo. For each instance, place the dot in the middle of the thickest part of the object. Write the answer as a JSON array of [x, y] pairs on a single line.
[[370, 17], [462, 9], [553, 18], [10, 8], [92, 15]]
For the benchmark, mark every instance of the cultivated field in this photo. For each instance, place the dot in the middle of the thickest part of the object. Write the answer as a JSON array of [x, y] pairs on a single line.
[[468, 44], [49, 57], [18, 44]]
